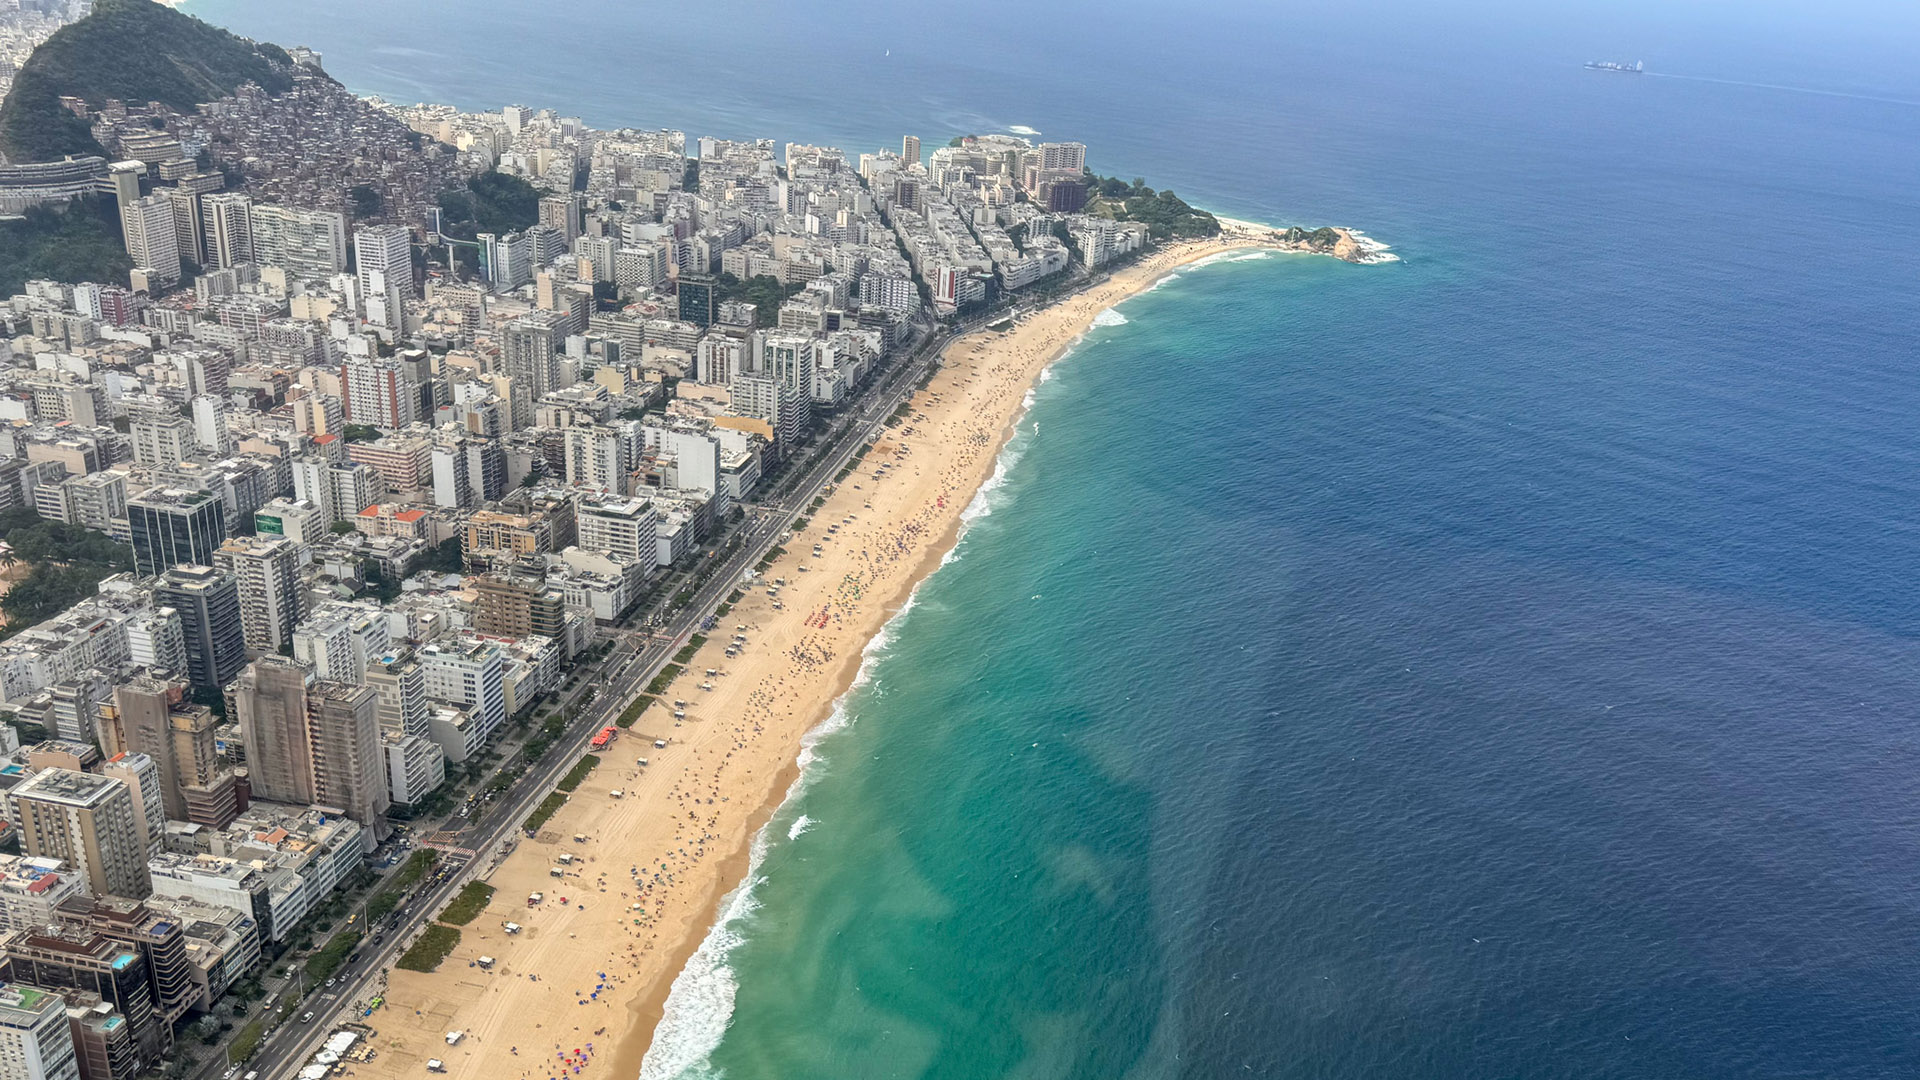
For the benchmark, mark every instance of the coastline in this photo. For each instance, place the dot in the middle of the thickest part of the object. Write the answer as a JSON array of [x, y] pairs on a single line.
[[737, 756]]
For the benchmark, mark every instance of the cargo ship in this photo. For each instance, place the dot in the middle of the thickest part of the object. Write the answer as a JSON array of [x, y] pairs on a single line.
[[1634, 68]]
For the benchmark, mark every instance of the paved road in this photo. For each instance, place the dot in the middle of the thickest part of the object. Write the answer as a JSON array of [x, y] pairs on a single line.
[[626, 671]]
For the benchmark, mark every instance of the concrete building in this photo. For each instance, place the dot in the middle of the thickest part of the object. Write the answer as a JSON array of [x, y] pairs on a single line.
[[349, 767], [226, 219], [31, 888], [35, 1041], [151, 241], [622, 527], [267, 570], [88, 822], [309, 245], [271, 698], [153, 716], [514, 605]]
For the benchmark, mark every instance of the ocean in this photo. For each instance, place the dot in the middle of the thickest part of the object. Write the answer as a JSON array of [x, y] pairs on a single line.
[[1499, 663]]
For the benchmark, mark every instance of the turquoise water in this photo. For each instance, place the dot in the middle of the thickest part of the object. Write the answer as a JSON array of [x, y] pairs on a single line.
[[1499, 664]]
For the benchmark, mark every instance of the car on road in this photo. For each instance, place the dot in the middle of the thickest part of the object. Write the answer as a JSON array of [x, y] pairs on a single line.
[[306, 1018]]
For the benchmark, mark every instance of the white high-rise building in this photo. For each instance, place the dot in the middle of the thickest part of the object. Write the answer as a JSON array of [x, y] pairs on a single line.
[[624, 527], [227, 219], [781, 393], [595, 460], [35, 1040], [151, 241], [384, 249], [383, 256], [342, 639], [268, 571], [310, 245], [210, 426], [470, 673], [506, 260], [1062, 155]]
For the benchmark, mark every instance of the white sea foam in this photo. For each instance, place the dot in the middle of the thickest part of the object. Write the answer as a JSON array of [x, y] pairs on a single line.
[[1022, 129], [1375, 251], [1110, 317], [1233, 257], [700, 1003]]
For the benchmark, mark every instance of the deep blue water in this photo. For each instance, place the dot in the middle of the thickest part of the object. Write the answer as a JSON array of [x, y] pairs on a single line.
[[1500, 664]]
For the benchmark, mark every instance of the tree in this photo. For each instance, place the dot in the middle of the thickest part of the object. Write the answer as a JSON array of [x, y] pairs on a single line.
[[494, 202], [366, 200], [78, 242]]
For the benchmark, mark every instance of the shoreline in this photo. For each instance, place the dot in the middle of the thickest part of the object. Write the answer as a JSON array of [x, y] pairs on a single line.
[[905, 502]]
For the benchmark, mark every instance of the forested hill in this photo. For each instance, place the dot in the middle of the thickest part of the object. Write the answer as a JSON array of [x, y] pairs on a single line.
[[133, 50]]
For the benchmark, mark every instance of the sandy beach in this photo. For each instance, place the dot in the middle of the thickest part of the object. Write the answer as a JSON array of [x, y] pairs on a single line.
[[580, 989]]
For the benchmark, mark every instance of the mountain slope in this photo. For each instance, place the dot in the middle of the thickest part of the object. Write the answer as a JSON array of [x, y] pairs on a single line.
[[134, 50]]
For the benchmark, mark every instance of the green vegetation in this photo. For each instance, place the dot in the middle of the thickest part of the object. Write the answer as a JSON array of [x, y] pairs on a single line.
[[632, 712], [435, 943], [467, 905], [665, 679], [360, 433], [444, 558], [65, 564], [763, 291], [686, 653], [387, 899], [322, 965], [773, 553], [366, 200], [245, 1043], [1163, 213], [1321, 239], [494, 202], [83, 243], [548, 807], [579, 772], [133, 50]]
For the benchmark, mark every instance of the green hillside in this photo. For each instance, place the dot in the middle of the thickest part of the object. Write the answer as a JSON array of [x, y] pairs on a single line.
[[79, 242], [134, 50]]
